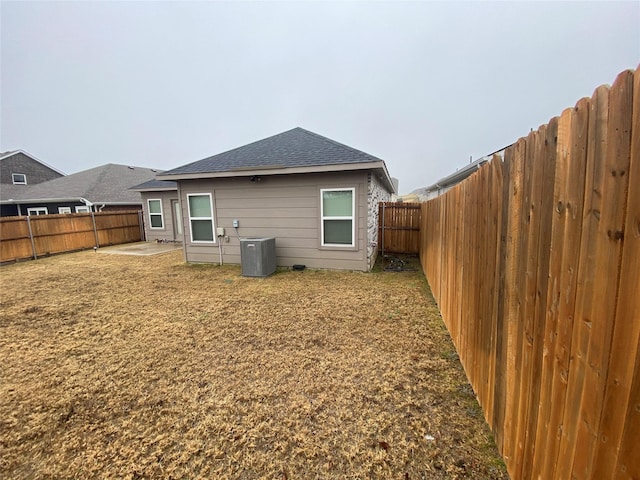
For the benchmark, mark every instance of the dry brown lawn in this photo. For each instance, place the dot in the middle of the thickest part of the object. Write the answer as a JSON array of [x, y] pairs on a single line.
[[145, 367]]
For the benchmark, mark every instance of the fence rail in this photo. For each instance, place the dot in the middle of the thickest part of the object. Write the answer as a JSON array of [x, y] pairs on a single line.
[[399, 227], [31, 237], [535, 264]]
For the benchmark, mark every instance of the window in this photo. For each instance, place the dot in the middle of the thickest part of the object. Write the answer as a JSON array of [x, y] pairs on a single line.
[[64, 209], [37, 211], [19, 178], [82, 209], [337, 207], [155, 213], [201, 217]]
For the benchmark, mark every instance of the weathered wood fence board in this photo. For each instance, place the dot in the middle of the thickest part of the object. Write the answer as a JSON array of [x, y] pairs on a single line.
[[535, 264], [399, 227], [30, 237]]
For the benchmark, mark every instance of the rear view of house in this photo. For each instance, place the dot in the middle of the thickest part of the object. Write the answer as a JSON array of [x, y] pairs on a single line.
[[318, 199]]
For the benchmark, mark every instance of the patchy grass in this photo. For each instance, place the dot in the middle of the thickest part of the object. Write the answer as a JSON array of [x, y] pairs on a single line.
[[146, 367]]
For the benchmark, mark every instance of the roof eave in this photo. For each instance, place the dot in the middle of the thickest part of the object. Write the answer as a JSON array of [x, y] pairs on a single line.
[[387, 179], [98, 202], [62, 200], [12, 201], [284, 171], [157, 189]]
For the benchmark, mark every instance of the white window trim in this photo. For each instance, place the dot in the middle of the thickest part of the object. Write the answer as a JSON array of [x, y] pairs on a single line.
[[64, 209], [149, 200], [352, 218], [82, 209], [36, 211], [13, 179], [213, 223]]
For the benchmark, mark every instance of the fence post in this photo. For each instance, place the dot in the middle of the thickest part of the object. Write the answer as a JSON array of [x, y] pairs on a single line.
[[33, 244], [95, 230], [141, 224]]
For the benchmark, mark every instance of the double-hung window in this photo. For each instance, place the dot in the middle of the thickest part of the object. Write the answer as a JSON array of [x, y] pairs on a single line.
[[155, 213], [82, 209], [37, 211], [201, 217], [64, 209], [338, 218]]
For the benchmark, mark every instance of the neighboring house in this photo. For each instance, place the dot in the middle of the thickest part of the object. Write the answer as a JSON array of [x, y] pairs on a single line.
[[317, 197], [103, 188], [450, 181], [162, 212], [19, 170]]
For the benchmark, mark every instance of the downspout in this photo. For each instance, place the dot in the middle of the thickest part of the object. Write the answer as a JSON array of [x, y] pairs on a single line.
[[143, 236], [93, 219], [95, 230]]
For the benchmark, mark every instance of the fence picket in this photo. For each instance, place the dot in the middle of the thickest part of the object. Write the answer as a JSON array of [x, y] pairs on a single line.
[[623, 382], [28, 237], [608, 258], [534, 262], [399, 227]]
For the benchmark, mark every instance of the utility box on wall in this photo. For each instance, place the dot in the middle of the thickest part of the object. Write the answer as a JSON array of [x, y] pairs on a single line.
[[258, 256]]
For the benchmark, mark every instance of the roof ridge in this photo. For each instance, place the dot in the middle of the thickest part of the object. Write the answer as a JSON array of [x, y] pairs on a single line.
[[234, 149], [251, 143], [342, 145], [296, 148]]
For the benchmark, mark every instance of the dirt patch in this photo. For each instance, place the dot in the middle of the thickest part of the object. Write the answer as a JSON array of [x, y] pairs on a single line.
[[146, 367]]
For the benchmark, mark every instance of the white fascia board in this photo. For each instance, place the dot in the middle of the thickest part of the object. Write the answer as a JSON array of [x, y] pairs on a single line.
[[41, 200], [160, 189], [11, 154], [278, 171]]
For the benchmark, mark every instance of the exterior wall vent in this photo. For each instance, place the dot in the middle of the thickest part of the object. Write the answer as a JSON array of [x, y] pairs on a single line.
[[258, 256]]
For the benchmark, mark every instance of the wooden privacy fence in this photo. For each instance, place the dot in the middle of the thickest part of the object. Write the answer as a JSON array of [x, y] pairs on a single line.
[[535, 264], [399, 227], [31, 237]]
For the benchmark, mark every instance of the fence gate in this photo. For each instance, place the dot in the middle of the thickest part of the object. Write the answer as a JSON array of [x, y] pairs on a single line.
[[399, 227]]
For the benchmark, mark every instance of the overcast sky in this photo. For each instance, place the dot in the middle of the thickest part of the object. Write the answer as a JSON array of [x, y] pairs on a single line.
[[422, 85]]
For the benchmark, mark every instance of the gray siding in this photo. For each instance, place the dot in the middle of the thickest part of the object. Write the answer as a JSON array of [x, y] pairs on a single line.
[[167, 232], [35, 171], [286, 207]]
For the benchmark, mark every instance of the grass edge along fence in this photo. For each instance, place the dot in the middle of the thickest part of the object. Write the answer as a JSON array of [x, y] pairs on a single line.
[[27, 237], [535, 264]]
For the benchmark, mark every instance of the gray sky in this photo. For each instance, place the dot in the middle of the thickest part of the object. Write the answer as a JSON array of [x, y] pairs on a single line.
[[422, 85]]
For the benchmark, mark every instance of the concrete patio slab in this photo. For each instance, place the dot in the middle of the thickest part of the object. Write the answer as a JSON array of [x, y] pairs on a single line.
[[141, 248]]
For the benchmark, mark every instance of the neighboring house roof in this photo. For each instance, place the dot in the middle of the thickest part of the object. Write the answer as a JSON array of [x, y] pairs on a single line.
[[12, 191], [294, 151], [108, 184], [11, 153], [155, 186], [458, 176]]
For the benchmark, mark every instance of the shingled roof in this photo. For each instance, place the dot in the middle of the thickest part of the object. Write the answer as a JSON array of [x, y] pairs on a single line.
[[108, 184], [296, 150], [155, 186]]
